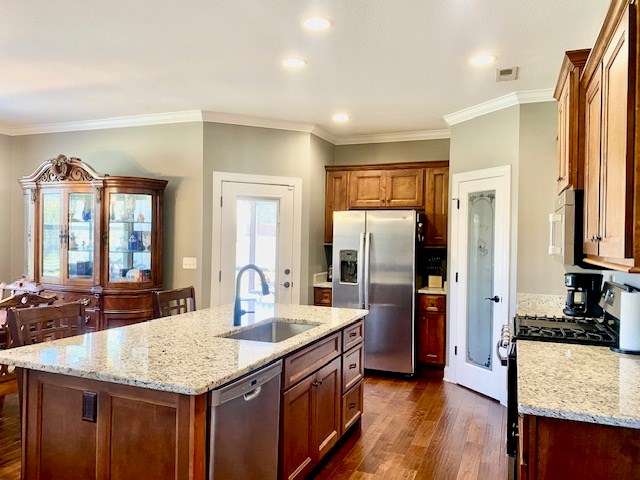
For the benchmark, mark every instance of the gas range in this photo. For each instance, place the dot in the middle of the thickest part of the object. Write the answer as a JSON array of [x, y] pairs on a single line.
[[581, 330]]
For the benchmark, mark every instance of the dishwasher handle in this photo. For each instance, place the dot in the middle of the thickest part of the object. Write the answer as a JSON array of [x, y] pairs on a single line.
[[252, 394], [248, 387]]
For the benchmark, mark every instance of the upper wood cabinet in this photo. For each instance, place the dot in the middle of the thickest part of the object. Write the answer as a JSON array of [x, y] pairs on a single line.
[[96, 237], [436, 206], [612, 200], [389, 188], [570, 120], [336, 199], [416, 185]]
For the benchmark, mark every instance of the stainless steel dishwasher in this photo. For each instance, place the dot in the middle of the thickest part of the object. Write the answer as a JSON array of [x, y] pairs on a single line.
[[245, 419]]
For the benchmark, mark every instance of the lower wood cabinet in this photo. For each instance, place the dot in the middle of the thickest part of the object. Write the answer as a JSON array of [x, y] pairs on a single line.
[[552, 448], [85, 429], [322, 297], [431, 326], [320, 407]]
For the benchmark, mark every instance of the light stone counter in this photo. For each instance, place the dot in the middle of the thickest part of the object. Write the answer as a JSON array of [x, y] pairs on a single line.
[[540, 304], [432, 291], [320, 280], [578, 382], [183, 353]]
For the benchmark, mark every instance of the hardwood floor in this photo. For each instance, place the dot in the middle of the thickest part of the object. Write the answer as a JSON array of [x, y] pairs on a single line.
[[423, 429], [412, 429]]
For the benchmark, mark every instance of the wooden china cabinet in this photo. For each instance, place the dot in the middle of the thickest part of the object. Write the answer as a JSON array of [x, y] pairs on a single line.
[[94, 237]]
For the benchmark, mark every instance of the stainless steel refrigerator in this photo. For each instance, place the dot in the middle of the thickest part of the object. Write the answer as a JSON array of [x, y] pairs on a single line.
[[374, 268]]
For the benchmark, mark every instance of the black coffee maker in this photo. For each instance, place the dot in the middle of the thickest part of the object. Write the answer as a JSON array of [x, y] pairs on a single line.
[[583, 296]]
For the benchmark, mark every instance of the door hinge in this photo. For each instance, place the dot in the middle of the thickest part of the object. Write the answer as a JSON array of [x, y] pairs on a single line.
[[456, 277], [219, 275], [220, 200], [455, 350]]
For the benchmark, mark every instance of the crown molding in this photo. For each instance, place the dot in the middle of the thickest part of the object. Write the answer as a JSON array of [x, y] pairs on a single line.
[[113, 122], [509, 100], [5, 129], [394, 137]]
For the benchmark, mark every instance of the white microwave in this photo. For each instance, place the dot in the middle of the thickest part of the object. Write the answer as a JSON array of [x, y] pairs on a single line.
[[565, 227]]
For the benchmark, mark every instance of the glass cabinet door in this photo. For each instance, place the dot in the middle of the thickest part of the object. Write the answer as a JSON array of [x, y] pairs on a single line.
[[52, 235], [130, 227], [79, 236]]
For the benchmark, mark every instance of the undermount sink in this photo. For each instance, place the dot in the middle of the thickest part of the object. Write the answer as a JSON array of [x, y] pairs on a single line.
[[273, 332]]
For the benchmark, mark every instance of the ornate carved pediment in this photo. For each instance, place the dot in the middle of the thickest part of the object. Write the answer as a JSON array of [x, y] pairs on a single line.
[[61, 169]]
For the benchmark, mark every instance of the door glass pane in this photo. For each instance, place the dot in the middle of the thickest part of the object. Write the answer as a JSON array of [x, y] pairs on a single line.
[[51, 231], [256, 243], [130, 237], [80, 238], [29, 261], [480, 278]]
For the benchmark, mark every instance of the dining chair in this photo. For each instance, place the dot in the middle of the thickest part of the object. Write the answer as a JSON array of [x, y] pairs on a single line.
[[8, 381], [174, 302]]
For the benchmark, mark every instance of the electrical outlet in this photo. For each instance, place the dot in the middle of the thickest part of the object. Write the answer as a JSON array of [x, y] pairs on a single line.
[[189, 263]]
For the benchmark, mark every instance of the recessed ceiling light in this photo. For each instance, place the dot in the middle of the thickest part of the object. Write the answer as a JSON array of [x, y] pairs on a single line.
[[483, 59], [341, 117], [294, 62], [316, 23]]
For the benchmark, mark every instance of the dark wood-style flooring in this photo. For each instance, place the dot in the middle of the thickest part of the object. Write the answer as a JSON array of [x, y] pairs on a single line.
[[412, 429]]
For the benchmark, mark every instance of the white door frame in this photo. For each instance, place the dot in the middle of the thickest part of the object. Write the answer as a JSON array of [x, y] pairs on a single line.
[[296, 183], [504, 173]]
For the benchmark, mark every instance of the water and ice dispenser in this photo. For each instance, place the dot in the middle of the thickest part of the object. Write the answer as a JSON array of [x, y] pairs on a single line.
[[348, 266]]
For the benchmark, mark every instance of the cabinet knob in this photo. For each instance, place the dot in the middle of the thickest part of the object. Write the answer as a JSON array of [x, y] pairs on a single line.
[[598, 239], [560, 179]]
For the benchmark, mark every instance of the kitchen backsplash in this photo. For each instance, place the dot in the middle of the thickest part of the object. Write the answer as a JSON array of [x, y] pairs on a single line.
[[540, 304]]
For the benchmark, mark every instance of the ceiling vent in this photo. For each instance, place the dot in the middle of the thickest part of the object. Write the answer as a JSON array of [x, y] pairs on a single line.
[[506, 74]]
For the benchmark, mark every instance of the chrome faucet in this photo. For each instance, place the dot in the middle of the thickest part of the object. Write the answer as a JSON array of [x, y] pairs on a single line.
[[237, 311]]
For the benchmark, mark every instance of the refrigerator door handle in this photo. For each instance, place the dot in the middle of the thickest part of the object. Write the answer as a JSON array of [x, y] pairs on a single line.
[[367, 271], [361, 272]]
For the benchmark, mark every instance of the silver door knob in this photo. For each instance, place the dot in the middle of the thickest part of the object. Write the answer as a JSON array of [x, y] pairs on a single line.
[[286, 284], [495, 298]]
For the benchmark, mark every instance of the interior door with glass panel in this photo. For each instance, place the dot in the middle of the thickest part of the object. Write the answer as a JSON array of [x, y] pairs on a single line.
[[129, 231], [481, 293], [256, 228], [52, 259]]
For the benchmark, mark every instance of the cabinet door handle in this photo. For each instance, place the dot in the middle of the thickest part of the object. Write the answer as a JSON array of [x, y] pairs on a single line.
[[352, 405], [353, 334], [598, 239], [431, 355], [317, 383], [560, 179], [352, 366]]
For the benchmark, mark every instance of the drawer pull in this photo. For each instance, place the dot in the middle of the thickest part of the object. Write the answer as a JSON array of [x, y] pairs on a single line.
[[87, 318], [352, 366], [352, 405], [431, 355], [432, 309], [353, 334]]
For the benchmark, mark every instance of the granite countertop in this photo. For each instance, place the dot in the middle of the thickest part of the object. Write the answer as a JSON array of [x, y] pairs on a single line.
[[320, 280], [323, 285], [432, 291], [578, 382], [183, 353]]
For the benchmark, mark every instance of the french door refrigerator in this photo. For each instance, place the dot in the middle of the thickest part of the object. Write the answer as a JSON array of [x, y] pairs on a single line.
[[374, 268]]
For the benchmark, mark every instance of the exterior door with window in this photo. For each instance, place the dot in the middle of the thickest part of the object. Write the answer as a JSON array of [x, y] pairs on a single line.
[[256, 227]]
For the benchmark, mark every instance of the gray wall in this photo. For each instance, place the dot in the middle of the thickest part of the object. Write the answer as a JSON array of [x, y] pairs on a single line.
[[394, 152], [172, 152], [538, 272], [262, 151], [6, 182]]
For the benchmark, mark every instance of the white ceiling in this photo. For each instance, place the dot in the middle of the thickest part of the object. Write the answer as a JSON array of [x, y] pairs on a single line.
[[393, 65]]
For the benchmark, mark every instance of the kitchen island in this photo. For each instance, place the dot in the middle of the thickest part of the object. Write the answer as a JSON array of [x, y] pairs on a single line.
[[131, 402], [579, 412]]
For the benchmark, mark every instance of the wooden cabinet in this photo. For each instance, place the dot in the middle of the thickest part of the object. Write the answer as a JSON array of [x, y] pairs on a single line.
[[336, 199], [96, 237], [321, 400], [612, 197], [415, 185], [322, 297], [431, 324], [388, 188], [436, 206], [77, 428], [555, 448], [569, 95]]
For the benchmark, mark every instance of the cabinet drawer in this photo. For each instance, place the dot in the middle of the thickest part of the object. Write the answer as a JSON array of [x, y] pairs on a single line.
[[352, 368], [352, 335], [352, 404], [300, 364], [432, 303], [322, 296]]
